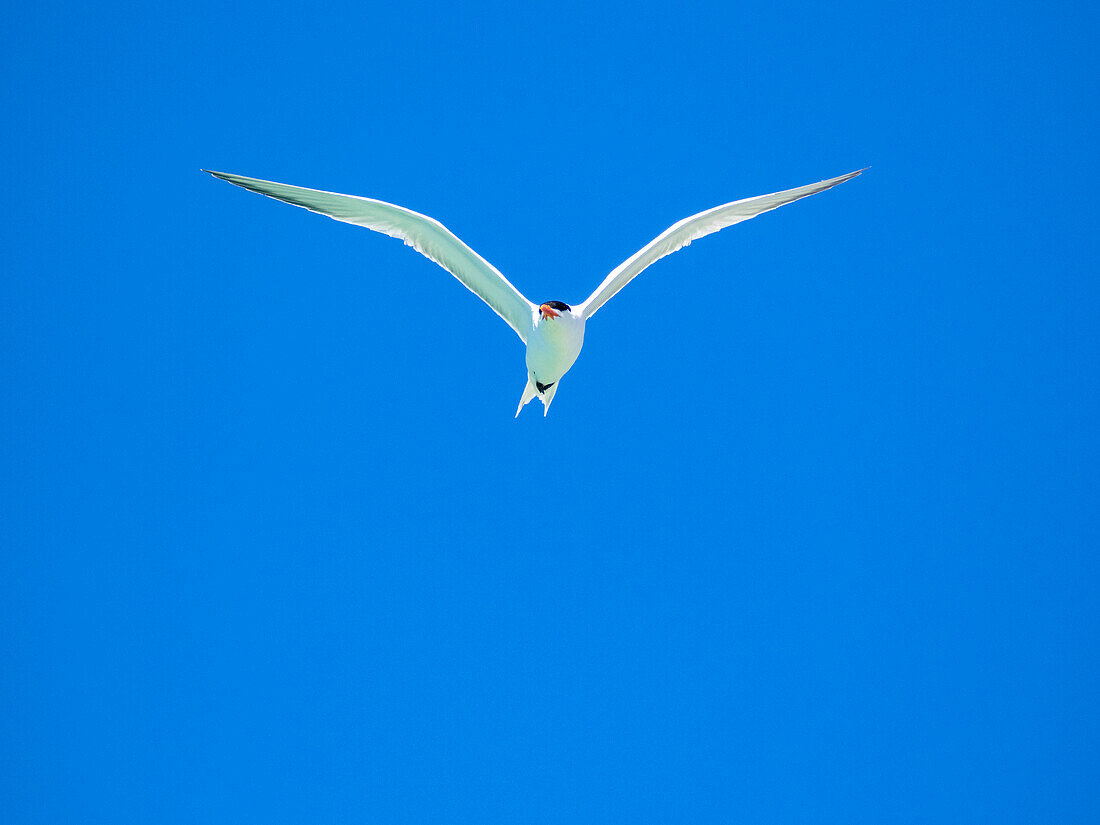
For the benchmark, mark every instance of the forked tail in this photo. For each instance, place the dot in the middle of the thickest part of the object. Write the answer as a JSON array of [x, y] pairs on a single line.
[[546, 395]]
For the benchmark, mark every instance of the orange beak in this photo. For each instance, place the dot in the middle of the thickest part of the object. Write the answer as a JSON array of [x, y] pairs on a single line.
[[548, 311]]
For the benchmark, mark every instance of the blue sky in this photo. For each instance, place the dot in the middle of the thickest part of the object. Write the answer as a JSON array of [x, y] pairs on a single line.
[[809, 536]]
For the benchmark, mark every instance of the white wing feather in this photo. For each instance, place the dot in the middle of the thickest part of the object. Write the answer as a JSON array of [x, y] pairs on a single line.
[[683, 233], [426, 235]]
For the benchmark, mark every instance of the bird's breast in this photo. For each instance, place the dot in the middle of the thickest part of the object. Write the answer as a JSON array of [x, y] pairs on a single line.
[[553, 346]]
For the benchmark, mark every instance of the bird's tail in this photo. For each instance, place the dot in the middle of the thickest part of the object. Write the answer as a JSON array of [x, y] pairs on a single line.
[[548, 396], [529, 392]]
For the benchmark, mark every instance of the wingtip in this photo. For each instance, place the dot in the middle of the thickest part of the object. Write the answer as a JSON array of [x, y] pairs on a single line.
[[847, 177]]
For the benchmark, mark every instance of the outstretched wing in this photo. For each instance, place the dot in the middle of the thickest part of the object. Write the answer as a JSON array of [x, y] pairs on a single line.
[[681, 234], [426, 235]]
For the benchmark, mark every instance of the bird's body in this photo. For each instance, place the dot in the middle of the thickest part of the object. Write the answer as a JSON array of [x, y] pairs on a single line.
[[554, 331], [552, 348]]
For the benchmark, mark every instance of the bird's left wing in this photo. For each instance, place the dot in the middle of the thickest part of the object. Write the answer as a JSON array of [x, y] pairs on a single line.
[[426, 235], [681, 234]]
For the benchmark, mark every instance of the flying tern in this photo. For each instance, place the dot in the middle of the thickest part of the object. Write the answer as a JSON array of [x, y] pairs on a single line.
[[554, 330]]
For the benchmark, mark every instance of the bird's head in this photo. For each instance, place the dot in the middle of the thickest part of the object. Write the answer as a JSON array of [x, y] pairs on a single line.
[[552, 309]]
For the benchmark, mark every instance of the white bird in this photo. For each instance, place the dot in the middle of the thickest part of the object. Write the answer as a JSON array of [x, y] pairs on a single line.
[[552, 331]]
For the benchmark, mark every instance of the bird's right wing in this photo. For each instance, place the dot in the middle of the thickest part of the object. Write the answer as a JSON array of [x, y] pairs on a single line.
[[426, 235], [681, 234]]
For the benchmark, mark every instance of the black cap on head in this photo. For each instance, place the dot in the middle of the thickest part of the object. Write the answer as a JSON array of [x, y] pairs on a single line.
[[558, 305]]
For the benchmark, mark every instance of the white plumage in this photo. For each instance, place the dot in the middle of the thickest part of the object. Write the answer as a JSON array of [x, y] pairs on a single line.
[[554, 331]]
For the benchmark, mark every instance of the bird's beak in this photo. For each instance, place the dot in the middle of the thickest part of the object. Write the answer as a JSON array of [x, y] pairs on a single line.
[[548, 311]]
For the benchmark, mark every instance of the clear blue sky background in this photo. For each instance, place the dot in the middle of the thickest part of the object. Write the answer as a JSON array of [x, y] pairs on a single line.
[[810, 535]]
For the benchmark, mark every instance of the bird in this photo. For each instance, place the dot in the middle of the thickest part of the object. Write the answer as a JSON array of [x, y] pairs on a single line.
[[552, 331]]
